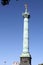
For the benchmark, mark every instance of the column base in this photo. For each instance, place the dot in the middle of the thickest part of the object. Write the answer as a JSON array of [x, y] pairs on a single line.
[[25, 59], [25, 54]]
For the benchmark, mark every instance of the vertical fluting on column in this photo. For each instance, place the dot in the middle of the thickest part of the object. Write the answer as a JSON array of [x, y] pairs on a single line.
[[25, 58], [25, 36], [26, 17]]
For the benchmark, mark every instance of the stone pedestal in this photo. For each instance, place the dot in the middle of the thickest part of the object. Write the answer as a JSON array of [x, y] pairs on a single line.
[[25, 60]]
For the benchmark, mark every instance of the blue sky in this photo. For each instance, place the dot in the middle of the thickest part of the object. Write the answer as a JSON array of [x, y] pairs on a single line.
[[11, 31]]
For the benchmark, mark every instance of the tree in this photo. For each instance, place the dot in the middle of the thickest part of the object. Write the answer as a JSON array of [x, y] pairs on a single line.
[[40, 64], [5, 2]]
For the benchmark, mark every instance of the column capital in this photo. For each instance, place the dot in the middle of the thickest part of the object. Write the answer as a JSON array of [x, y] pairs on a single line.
[[26, 13]]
